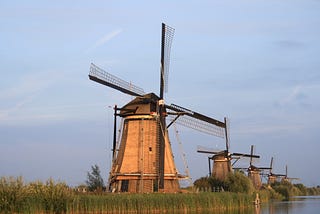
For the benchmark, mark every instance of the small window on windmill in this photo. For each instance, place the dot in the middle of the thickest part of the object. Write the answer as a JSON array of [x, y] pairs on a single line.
[[150, 149]]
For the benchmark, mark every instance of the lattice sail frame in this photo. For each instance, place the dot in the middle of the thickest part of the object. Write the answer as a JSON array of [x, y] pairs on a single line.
[[199, 125], [197, 121], [169, 33], [114, 82]]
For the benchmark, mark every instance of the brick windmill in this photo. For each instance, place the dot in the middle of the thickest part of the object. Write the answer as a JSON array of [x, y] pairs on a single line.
[[143, 161], [273, 177], [222, 165], [286, 178], [254, 172]]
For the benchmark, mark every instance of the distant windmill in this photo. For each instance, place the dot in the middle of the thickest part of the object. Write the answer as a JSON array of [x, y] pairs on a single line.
[[254, 171], [143, 162], [273, 177], [222, 159], [286, 178]]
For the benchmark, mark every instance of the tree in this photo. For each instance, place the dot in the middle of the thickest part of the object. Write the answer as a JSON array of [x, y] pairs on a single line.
[[94, 179]]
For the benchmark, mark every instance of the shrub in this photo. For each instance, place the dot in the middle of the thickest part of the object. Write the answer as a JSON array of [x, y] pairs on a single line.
[[235, 182], [238, 182], [203, 184]]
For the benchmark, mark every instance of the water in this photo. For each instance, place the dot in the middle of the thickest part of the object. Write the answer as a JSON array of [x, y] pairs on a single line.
[[298, 205]]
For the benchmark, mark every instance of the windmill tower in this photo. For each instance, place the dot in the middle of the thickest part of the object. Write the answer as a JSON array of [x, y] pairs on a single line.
[[222, 166], [143, 162]]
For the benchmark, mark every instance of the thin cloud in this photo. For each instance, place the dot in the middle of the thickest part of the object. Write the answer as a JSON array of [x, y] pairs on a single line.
[[289, 44], [30, 84], [298, 95], [19, 95], [106, 38]]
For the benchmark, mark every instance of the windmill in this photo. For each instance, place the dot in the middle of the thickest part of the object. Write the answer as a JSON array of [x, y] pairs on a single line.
[[222, 159], [286, 178], [273, 177], [254, 171], [143, 161]]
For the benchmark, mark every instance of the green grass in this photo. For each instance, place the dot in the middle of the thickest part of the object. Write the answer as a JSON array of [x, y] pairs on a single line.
[[159, 202], [52, 197]]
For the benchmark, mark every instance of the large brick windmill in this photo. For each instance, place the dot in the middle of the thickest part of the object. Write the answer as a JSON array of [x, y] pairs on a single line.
[[143, 161]]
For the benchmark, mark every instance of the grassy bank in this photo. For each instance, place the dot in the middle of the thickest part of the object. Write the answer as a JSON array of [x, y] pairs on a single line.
[[239, 182], [52, 197]]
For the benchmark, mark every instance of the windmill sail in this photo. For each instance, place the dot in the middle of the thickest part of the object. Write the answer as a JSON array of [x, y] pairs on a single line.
[[166, 41], [197, 121], [101, 76]]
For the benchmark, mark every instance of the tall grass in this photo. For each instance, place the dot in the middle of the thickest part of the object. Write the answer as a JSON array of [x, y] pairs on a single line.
[[18, 197], [159, 202], [52, 197]]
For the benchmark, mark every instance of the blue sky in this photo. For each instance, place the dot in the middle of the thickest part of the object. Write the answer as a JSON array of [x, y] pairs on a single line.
[[256, 62]]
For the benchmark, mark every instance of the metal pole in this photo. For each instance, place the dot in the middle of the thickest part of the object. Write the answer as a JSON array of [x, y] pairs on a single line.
[[209, 166], [114, 132]]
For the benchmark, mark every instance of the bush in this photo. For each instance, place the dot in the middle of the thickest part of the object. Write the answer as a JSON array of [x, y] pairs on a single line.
[[287, 190], [238, 182], [235, 182]]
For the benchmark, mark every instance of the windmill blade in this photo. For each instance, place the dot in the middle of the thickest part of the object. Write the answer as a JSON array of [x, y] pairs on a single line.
[[199, 125], [198, 121], [196, 115], [201, 149], [240, 168], [251, 155], [293, 179], [211, 152], [245, 155], [227, 134], [166, 41], [101, 76], [278, 175], [271, 164], [264, 168]]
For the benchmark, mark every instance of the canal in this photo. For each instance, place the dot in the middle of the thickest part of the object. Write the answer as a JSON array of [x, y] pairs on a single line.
[[297, 205]]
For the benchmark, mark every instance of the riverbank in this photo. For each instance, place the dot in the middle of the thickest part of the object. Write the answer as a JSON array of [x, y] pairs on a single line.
[[56, 197]]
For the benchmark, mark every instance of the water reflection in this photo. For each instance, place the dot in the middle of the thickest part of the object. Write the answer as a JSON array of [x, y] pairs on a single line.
[[298, 205], [305, 205]]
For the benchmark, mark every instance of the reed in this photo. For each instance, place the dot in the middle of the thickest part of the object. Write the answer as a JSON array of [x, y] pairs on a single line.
[[56, 197], [18, 197], [159, 202]]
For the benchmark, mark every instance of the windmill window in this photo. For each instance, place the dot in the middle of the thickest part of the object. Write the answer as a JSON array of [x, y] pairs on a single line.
[[124, 186], [150, 149]]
